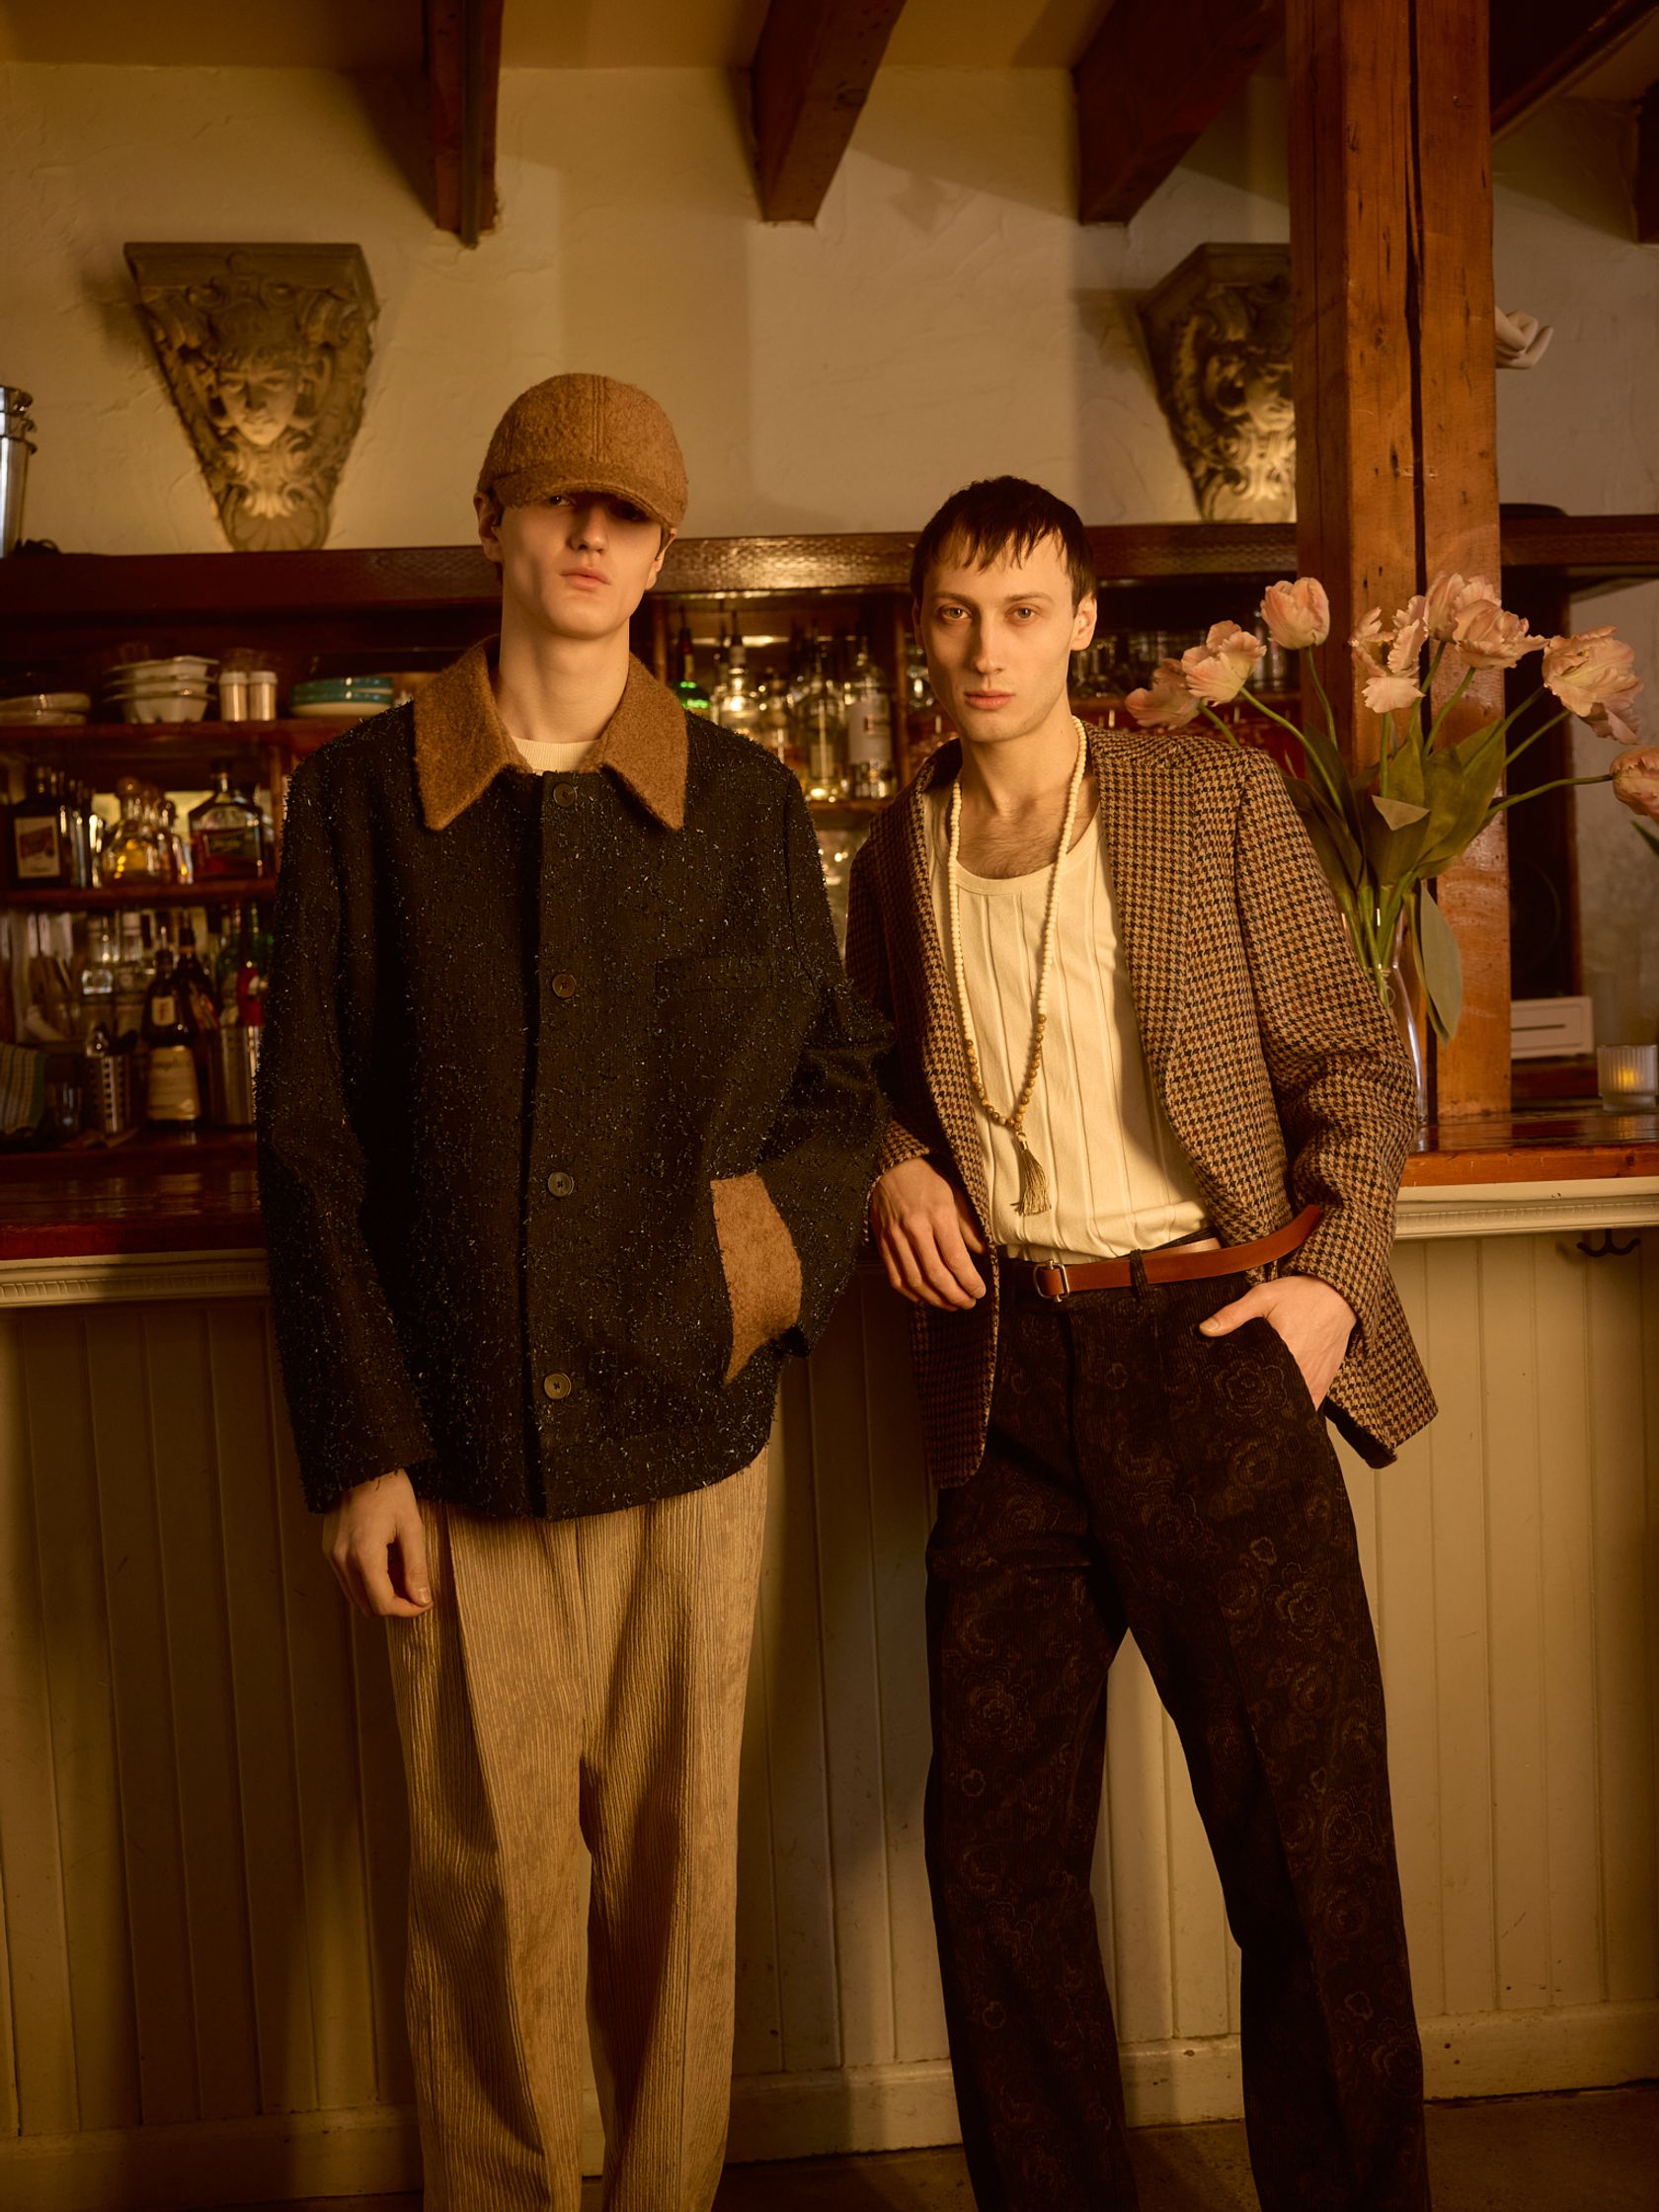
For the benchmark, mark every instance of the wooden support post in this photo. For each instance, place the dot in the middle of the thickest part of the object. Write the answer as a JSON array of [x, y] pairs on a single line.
[[1397, 476], [814, 66], [1647, 168]]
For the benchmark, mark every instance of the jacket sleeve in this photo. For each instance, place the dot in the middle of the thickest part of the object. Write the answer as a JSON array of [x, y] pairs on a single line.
[[866, 966], [1339, 1073], [796, 1219], [351, 1400]]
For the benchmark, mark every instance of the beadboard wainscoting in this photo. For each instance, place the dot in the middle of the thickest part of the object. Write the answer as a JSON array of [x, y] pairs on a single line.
[[201, 1843]]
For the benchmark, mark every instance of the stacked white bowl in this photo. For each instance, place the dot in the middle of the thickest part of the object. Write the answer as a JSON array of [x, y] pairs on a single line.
[[175, 690], [15, 449]]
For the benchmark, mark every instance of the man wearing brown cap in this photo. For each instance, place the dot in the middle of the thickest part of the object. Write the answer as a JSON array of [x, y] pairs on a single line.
[[566, 1121]]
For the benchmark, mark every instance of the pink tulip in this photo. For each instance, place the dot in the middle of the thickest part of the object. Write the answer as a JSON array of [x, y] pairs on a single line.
[[1635, 780], [1593, 675], [1388, 695], [1166, 704], [1488, 638], [1448, 596], [1368, 643], [1218, 670], [1297, 614]]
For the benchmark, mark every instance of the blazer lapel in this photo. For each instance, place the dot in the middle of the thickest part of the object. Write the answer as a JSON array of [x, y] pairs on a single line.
[[1146, 814], [944, 1060]]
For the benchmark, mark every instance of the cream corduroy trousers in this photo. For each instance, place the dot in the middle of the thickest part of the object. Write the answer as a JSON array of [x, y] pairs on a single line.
[[577, 1689]]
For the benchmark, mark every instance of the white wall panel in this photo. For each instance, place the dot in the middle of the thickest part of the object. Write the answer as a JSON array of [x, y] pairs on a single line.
[[201, 1843]]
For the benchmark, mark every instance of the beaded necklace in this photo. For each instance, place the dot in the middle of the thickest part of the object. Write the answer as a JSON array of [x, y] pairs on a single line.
[[1034, 1182]]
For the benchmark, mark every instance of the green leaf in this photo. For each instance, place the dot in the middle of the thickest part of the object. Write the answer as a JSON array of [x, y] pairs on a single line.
[[1332, 840], [1460, 804], [1441, 964], [1646, 836], [1395, 832]]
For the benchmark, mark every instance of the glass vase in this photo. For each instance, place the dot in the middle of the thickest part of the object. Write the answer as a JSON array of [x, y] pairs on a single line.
[[1398, 986]]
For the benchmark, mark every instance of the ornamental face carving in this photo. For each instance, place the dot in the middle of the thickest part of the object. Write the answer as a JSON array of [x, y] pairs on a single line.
[[1219, 332], [264, 350]]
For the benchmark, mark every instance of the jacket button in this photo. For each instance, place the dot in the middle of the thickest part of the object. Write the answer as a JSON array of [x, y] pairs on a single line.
[[564, 794], [564, 985], [561, 1184], [556, 1385]]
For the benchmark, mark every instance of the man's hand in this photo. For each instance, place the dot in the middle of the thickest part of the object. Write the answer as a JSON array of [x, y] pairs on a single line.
[[924, 1230], [1313, 1319], [377, 1547]]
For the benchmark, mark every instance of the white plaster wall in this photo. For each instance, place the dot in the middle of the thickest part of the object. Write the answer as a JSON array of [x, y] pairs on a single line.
[[1581, 432], [946, 316]]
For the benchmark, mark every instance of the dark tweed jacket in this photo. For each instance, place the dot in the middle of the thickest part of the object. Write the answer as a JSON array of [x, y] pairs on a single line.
[[566, 1113], [1281, 1075]]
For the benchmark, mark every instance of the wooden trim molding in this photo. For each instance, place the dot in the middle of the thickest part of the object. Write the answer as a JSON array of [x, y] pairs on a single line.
[[120, 1277], [1526, 1209], [463, 86]]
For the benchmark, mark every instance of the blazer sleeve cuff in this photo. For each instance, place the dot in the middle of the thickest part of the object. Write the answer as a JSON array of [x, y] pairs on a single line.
[[762, 1266], [898, 1145]]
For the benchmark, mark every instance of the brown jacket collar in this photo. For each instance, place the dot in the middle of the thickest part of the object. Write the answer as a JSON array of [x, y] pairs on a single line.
[[461, 744]]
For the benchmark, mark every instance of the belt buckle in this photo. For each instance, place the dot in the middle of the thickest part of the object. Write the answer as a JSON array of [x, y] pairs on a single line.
[[1052, 1267]]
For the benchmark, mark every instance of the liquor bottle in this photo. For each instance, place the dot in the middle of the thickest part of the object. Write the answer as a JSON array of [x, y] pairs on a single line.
[[194, 981], [740, 703], [227, 834], [175, 848], [132, 978], [42, 857], [173, 1094], [252, 961], [823, 730], [94, 835], [689, 692], [227, 960], [776, 730], [869, 730]]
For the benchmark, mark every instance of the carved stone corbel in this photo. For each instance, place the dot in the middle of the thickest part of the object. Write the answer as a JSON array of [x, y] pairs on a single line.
[[264, 350], [1218, 329]]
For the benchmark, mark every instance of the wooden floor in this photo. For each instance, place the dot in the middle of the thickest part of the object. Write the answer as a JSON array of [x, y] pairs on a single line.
[[1597, 2152]]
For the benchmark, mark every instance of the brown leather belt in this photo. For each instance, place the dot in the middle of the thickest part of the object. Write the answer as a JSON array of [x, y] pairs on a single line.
[[1172, 1265]]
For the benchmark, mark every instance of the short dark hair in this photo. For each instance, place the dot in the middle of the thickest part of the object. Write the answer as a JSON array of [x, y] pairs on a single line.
[[1003, 514]]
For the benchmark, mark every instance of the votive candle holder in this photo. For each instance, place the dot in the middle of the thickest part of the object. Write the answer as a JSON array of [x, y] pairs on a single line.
[[1627, 1075]]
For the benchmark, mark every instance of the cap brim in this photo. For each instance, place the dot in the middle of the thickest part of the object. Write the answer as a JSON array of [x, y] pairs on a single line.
[[521, 487]]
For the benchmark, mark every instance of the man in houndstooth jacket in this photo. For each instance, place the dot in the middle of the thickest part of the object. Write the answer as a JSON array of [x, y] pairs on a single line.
[[1147, 1127]]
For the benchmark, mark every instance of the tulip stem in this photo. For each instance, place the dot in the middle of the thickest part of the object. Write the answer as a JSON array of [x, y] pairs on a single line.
[[1561, 783], [1463, 686]]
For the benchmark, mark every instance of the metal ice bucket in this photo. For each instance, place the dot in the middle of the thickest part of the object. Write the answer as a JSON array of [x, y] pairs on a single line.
[[14, 473], [232, 1066]]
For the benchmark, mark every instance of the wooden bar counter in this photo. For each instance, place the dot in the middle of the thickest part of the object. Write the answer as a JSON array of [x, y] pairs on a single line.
[[201, 1843]]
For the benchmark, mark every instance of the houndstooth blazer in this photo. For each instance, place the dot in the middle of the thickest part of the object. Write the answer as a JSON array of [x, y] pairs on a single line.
[[1281, 1075]]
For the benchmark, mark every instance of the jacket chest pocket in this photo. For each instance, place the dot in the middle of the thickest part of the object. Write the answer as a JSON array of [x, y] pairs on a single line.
[[709, 1009]]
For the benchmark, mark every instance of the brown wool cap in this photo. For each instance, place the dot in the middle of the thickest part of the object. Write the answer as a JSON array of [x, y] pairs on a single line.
[[587, 433]]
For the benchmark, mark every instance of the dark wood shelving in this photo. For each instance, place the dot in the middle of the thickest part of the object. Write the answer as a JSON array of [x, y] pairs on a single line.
[[215, 891]]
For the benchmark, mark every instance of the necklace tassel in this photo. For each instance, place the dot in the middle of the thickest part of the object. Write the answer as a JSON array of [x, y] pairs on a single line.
[[1034, 1181]]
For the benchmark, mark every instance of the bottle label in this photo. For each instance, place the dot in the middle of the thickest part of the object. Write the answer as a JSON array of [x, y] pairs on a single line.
[[870, 730], [230, 849], [164, 1014], [173, 1095], [38, 858]]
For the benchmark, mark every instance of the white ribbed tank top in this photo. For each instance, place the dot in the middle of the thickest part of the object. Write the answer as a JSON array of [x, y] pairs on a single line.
[[1118, 1174]]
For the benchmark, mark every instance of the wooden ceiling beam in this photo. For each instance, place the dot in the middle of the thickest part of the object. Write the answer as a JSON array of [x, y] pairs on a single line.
[[464, 83], [1156, 74], [814, 66], [1540, 45]]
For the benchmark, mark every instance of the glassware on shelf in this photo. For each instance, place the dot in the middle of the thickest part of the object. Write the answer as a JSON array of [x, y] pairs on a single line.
[[738, 704], [135, 850], [96, 984]]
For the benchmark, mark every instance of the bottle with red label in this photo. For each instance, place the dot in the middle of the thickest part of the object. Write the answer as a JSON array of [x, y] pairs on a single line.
[[43, 853]]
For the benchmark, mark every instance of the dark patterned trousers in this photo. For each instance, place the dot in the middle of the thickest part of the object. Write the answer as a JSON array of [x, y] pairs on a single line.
[[1140, 1478]]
